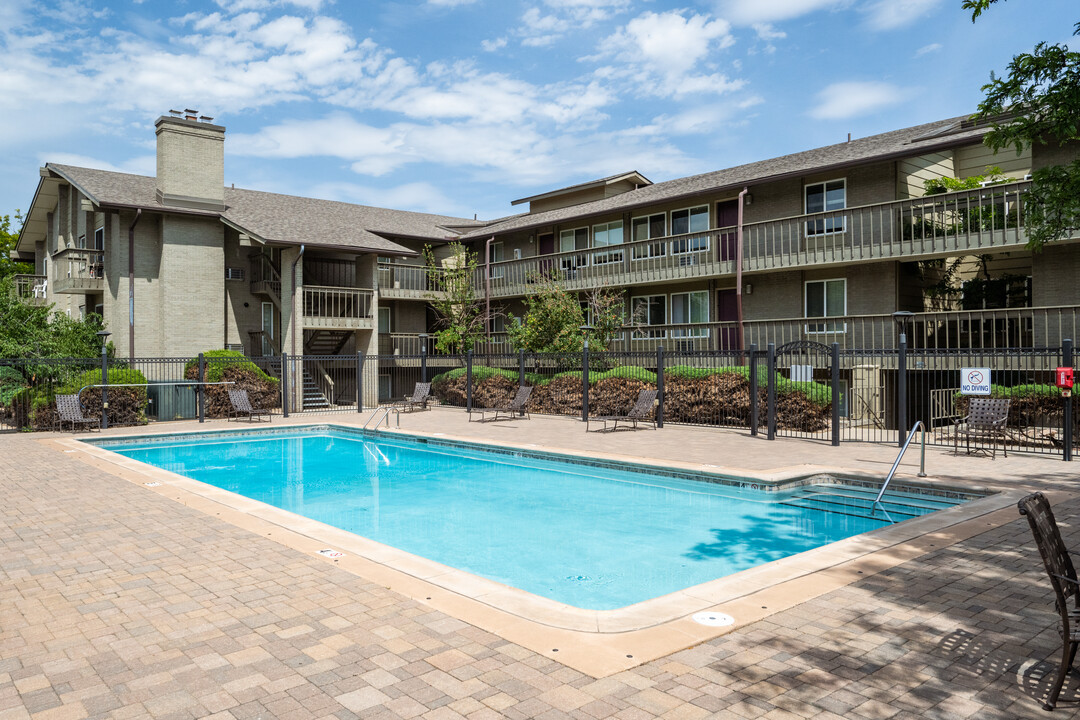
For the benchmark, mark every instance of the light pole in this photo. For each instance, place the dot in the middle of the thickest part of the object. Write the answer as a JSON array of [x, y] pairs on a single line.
[[585, 330], [900, 317], [423, 357], [104, 335]]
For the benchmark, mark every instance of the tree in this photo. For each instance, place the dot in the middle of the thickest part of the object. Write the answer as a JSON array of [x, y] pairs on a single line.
[[1038, 101], [463, 317], [553, 318], [29, 331], [8, 238]]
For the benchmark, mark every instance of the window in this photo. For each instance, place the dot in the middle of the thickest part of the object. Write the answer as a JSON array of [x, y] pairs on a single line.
[[569, 241], [826, 298], [604, 236], [648, 228], [691, 220], [825, 197], [384, 320], [99, 239], [234, 273], [496, 324], [649, 310], [690, 307]]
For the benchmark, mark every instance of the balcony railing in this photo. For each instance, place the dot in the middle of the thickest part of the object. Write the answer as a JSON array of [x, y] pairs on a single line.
[[265, 277], [31, 288], [337, 308], [79, 270], [968, 221], [962, 330], [409, 281]]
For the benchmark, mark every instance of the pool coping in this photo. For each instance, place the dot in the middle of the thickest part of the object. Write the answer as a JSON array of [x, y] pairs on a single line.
[[597, 642]]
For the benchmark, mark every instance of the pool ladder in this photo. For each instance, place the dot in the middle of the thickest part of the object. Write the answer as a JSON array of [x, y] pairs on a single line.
[[377, 416], [922, 458]]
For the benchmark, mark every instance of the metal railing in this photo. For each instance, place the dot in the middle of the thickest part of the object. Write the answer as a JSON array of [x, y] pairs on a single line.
[[265, 277], [337, 307], [409, 281], [900, 456], [31, 288]]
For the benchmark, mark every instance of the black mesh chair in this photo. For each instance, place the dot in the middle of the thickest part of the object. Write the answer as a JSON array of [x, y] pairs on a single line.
[[1062, 574]]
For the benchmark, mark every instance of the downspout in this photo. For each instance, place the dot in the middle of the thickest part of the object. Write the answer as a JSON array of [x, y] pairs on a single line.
[[131, 284], [739, 264], [487, 286], [292, 310]]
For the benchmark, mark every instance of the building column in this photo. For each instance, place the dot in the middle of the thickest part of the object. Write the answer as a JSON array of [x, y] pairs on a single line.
[[367, 341]]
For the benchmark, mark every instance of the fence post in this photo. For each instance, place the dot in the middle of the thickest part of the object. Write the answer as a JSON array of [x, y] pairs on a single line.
[[468, 382], [202, 388], [359, 382], [521, 367], [104, 387], [585, 383], [423, 361], [901, 389], [660, 385], [1067, 361], [836, 394], [284, 385], [771, 419], [755, 410]]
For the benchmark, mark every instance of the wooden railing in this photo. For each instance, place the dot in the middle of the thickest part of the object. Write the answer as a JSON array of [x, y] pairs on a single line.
[[31, 288], [968, 221], [335, 307], [405, 344], [79, 270], [961, 329]]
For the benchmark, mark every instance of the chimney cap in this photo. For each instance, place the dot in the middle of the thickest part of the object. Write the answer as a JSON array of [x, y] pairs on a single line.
[[189, 111], [206, 118]]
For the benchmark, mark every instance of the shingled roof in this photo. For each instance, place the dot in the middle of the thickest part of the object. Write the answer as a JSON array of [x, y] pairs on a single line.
[[286, 219], [897, 143]]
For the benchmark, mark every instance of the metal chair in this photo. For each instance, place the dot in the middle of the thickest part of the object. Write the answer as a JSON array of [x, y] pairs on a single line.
[[69, 410], [1059, 568], [241, 406], [985, 420]]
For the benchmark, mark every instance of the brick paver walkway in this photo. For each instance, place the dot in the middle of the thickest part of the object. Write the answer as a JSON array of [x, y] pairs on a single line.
[[116, 601]]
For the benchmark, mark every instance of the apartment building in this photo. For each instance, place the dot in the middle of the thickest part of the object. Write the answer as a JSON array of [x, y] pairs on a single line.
[[822, 245]]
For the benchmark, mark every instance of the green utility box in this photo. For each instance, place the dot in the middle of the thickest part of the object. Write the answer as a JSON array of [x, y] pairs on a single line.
[[172, 401]]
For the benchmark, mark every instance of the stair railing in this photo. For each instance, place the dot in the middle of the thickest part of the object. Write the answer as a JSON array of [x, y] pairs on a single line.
[[324, 382], [378, 415], [922, 459]]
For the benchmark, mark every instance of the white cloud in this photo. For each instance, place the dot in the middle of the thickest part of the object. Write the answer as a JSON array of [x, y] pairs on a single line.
[[415, 196], [750, 12], [538, 29], [663, 53], [849, 99], [892, 14], [142, 165], [493, 45], [450, 3], [926, 49]]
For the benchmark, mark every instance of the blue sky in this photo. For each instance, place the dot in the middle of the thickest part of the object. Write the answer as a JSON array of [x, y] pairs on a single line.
[[460, 106]]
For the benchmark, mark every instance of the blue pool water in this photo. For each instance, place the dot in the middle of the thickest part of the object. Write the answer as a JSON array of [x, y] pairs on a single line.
[[591, 537]]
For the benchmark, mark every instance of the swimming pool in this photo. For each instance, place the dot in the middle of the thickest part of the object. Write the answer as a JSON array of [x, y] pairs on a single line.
[[591, 535]]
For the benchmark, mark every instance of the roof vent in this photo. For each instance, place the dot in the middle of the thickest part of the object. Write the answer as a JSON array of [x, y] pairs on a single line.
[[175, 113], [190, 114]]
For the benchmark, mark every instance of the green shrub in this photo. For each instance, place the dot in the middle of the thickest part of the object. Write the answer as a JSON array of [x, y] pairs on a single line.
[[228, 359], [625, 372]]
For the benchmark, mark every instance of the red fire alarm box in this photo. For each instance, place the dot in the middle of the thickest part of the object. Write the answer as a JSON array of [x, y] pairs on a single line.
[[1063, 378]]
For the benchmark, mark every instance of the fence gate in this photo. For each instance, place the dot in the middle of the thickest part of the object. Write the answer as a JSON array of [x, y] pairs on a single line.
[[800, 390]]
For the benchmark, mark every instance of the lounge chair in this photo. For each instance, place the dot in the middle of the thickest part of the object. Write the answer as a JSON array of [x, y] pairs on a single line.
[[421, 395], [241, 406], [644, 411], [1059, 567], [69, 410], [985, 420], [516, 407]]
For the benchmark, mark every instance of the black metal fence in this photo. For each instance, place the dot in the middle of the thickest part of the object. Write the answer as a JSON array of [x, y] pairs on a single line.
[[804, 389]]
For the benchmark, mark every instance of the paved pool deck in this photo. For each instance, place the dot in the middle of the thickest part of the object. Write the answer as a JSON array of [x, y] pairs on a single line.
[[122, 600]]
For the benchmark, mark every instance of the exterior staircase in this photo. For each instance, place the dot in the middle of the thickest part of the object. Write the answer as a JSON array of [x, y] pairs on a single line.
[[312, 397], [326, 342]]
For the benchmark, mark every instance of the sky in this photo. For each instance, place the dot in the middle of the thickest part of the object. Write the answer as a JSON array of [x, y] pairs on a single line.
[[458, 107]]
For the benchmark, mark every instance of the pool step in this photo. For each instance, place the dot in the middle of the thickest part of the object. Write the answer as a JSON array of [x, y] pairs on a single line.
[[859, 502]]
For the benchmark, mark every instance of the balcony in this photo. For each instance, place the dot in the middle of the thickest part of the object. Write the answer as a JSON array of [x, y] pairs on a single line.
[[964, 222], [957, 330], [337, 308], [409, 282], [31, 288], [79, 271]]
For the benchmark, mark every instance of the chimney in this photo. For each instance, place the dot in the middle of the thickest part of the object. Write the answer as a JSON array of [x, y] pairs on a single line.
[[190, 162]]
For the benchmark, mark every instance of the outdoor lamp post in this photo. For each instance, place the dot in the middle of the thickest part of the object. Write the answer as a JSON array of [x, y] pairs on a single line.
[[901, 317], [104, 335], [423, 357]]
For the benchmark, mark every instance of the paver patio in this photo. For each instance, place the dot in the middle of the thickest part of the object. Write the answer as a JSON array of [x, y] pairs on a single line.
[[119, 601]]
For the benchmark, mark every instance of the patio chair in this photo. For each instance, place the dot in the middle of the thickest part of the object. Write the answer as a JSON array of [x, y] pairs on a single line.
[[421, 395], [644, 411], [1059, 568], [516, 407], [69, 410], [985, 420], [241, 406]]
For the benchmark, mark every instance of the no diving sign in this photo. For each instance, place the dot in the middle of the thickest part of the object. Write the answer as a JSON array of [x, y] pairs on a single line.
[[975, 381]]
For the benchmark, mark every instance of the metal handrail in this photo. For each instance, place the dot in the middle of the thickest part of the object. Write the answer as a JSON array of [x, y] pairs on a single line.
[[922, 460], [385, 414]]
